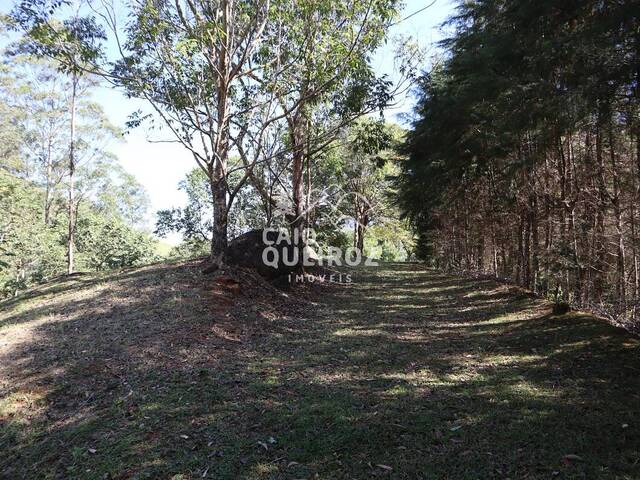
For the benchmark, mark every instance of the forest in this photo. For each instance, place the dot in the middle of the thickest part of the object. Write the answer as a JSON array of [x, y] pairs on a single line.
[[319, 239], [524, 162], [105, 203]]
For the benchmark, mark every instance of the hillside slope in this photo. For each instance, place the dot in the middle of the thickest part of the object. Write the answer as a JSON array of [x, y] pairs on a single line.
[[163, 373]]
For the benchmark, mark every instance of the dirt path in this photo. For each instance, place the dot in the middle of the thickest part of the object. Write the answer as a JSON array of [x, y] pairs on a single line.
[[406, 373]]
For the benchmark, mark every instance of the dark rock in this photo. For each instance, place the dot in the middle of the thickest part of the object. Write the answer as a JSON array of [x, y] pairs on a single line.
[[247, 251], [561, 308]]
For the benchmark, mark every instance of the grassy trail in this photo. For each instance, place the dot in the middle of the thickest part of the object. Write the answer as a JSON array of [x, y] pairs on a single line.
[[406, 373]]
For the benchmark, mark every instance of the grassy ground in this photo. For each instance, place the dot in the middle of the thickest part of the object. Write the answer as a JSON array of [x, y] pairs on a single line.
[[405, 374]]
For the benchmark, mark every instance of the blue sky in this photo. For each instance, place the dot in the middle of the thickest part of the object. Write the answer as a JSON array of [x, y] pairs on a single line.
[[160, 166]]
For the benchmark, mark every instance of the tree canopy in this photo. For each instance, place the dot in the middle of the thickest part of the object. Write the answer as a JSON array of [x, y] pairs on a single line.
[[524, 156]]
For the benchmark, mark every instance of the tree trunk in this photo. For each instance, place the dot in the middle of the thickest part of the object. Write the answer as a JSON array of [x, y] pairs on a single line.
[[297, 138], [361, 228], [298, 222], [519, 264], [218, 171], [494, 249], [47, 192], [219, 240], [535, 243], [72, 168], [548, 225], [617, 210], [636, 198], [599, 236]]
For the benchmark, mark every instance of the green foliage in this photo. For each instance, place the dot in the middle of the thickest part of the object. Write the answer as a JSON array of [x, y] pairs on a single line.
[[195, 220], [34, 175], [31, 252], [518, 76], [392, 241], [108, 242], [338, 37], [28, 252], [74, 43], [364, 166], [523, 159], [327, 235], [190, 248], [234, 75]]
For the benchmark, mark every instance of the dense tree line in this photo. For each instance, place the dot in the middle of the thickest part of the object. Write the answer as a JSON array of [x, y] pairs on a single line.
[[524, 157], [108, 204]]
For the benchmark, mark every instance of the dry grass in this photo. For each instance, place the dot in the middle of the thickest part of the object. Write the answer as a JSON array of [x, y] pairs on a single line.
[[164, 373]]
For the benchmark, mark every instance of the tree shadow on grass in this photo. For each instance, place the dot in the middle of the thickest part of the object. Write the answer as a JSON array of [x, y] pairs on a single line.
[[405, 374]]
